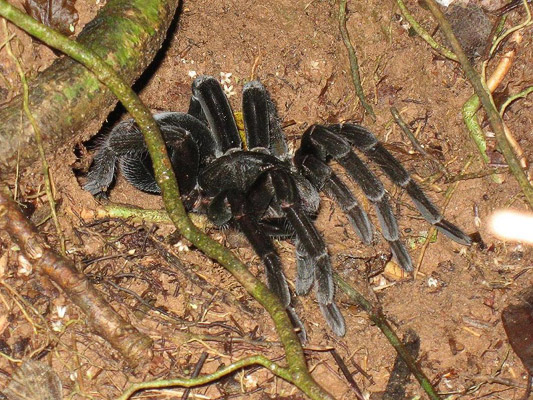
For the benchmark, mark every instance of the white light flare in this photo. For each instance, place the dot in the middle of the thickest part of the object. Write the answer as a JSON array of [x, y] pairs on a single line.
[[512, 225]]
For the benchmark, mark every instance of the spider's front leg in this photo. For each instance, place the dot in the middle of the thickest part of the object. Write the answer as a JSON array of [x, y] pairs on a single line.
[[243, 214], [261, 122], [324, 144], [189, 145], [125, 141], [313, 261], [366, 142]]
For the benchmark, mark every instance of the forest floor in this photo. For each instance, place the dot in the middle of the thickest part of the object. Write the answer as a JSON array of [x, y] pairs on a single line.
[[294, 47]]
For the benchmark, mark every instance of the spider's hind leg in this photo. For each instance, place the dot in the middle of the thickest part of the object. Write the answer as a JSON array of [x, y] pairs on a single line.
[[365, 141], [123, 140], [330, 311]]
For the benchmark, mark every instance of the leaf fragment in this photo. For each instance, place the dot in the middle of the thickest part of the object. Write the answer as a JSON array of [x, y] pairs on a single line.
[[58, 14]]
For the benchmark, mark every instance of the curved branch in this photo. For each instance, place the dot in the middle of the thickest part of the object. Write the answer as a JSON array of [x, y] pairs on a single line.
[[133, 345]]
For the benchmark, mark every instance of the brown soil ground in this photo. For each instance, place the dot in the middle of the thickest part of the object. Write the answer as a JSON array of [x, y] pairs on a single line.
[[295, 49]]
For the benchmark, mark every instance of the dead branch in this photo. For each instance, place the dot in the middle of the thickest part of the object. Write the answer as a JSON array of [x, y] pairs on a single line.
[[133, 345]]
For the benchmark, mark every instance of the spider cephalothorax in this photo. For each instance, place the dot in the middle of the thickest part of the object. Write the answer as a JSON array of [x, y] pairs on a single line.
[[260, 190]]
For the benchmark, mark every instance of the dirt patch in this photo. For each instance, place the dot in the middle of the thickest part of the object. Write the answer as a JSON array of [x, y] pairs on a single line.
[[295, 49]]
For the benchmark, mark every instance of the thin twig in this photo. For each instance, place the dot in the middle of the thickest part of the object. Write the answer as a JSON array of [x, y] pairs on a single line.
[[346, 372], [197, 368], [414, 141], [516, 28], [433, 231], [439, 48], [354, 65], [376, 316], [524, 93]]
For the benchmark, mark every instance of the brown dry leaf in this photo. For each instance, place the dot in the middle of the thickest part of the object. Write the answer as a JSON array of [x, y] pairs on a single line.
[[518, 323], [58, 14]]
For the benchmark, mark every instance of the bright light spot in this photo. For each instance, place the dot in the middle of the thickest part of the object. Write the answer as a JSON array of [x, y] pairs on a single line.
[[192, 74], [512, 225], [444, 3]]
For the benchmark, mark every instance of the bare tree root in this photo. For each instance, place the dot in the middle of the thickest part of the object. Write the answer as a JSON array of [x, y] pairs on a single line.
[[66, 97], [166, 180], [38, 141], [132, 345]]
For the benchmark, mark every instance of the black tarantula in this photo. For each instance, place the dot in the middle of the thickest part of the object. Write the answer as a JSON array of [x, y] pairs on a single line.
[[258, 188]]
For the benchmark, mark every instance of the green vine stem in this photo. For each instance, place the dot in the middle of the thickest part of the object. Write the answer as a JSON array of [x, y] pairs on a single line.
[[520, 95], [166, 180], [494, 117], [469, 112], [205, 379]]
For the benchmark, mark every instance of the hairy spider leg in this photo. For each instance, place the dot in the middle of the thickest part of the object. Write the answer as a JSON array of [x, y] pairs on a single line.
[[217, 111], [323, 143], [318, 268], [261, 243], [312, 259], [331, 311], [189, 144], [261, 121], [264, 248], [324, 179], [366, 142]]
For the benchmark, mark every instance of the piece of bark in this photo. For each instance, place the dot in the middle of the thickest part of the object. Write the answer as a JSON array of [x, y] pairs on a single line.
[[66, 96], [134, 346]]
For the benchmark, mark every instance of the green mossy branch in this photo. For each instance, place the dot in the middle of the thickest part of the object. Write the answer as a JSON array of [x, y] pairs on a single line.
[[354, 65], [66, 97], [166, 180], [205, 379], [443, 51]]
